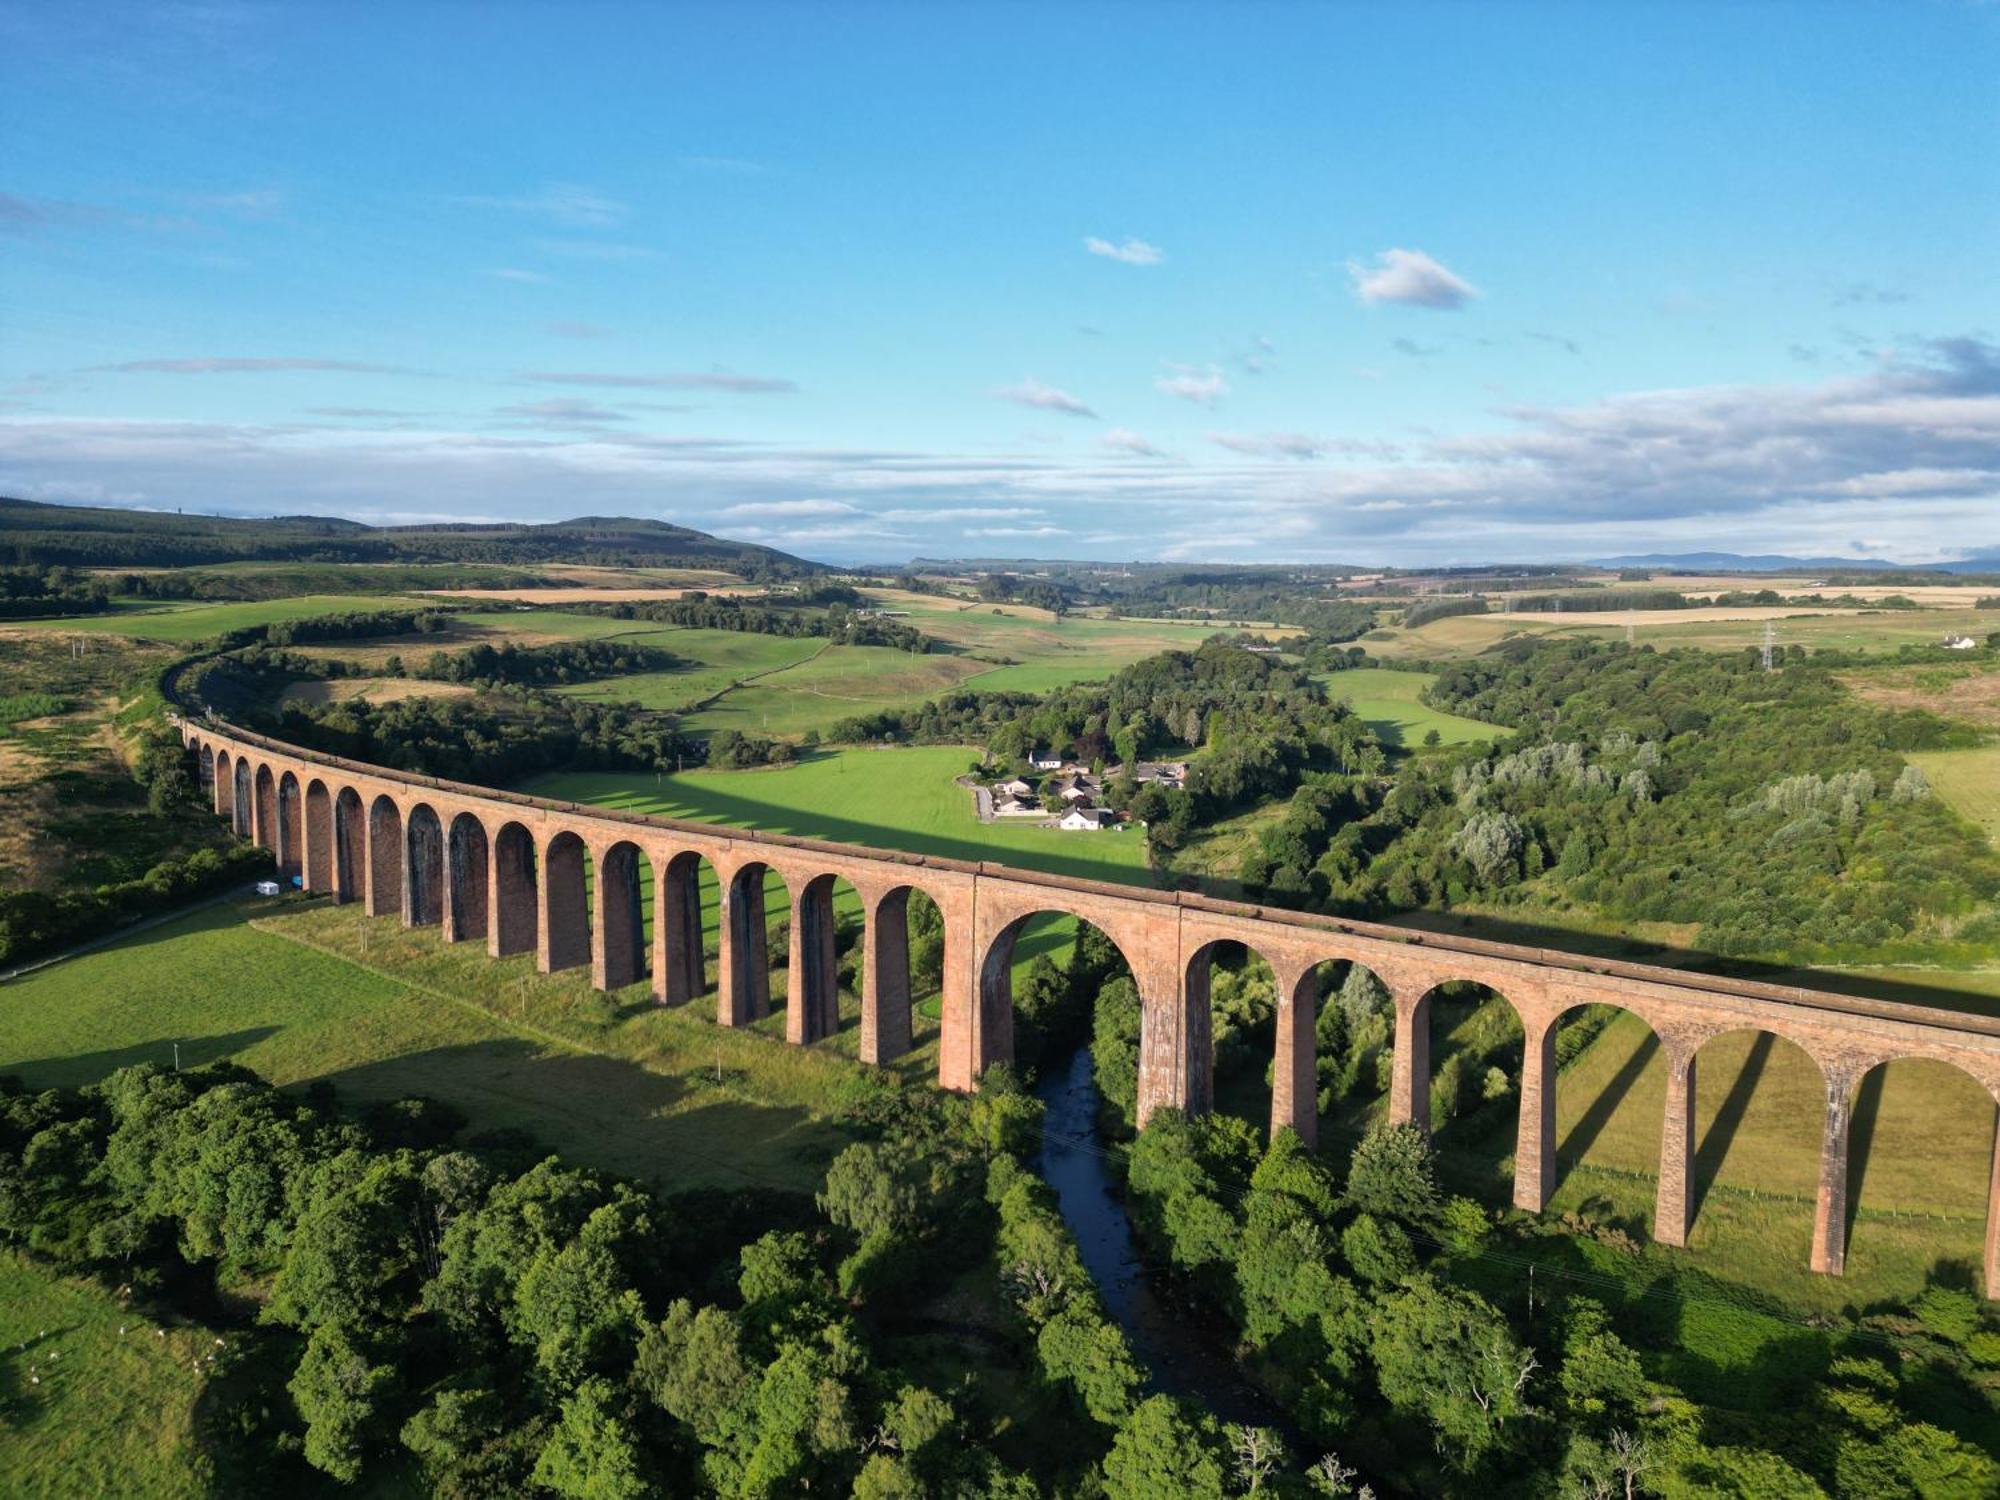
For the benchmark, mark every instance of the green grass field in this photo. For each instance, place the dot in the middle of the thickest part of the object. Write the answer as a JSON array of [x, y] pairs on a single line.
[[718, 660], [1967, 779], [886, 799], [309, 991], [1387, 701], [1845, 629], [193, 622], [95, 1398], [832, 685]]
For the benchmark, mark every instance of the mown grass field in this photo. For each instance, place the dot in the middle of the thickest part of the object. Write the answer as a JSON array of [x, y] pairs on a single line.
[[95, 1399], [194, 622], [1967, 779], [1387, 701], [1846, 629], [886, 799], [300, 990], [832, 685], [718, 660]]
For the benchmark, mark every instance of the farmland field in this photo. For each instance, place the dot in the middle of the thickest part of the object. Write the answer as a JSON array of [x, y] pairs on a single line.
[[194, 622], [96, 1399], [1967, 779], [1387, 701], [886, 799], [1718, 630], [302, 991]]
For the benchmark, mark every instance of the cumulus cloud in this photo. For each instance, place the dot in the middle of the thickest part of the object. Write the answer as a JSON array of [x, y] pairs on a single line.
[[1125, 440], [1411, 278], [1031, 392], [1131, 252], [1203, 387], [677, 380], [211, 366]]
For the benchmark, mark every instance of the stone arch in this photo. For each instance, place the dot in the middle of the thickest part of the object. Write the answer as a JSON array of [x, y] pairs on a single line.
[[423, 868], [350, 845], [291, 827], [1897, 1117], [205, 769], [746, 945], [994, 994], [624, 879], [1432, 1086], [243, 803], [466, 861], [812, 980], [225, 786], [1323, 1029], [565, 924], [264, 808], [1622, 1050], [1197, 984], [385, 858], [513, 896], [897, 971], [680, 958], [1758, 1088], [318, 853]]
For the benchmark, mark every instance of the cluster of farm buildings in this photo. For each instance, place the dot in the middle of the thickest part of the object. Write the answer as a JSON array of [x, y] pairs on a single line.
[[1072, 794]]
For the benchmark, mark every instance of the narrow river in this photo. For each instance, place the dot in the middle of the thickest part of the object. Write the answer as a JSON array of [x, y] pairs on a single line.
[[1183, 1348]]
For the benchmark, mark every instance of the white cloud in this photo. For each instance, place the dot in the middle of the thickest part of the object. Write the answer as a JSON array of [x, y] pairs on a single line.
[[1125, 440], [780, 510], [1031, 392], [560, 203], [515, 273], [211, 366], [1412, 278], [563, 412], [1203, 388], [1131, 253], [679, 380], [1908, 453]]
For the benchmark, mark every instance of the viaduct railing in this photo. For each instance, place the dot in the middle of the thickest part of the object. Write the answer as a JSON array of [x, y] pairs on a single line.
[[508, 870]]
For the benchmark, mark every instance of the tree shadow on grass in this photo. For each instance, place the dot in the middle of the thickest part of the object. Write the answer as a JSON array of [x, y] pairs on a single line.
[[674, 1130], [1721, 1132], [75, 1069]]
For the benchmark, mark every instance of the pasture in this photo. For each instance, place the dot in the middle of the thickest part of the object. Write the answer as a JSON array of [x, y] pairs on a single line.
[[1387, 701], [300, 991], [901, 799], [96, 1398], [182, 623], [1714, 630], [1967, 779]]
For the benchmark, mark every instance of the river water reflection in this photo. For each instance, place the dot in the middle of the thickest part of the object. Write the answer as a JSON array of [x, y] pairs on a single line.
[[1184, 1350]]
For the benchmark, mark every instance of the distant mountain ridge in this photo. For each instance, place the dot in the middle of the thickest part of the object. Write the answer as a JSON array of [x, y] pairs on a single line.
[[100, 537], [1984, 560]]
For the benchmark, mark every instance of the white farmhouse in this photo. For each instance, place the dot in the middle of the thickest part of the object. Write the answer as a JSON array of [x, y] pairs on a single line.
[[1090, 818]]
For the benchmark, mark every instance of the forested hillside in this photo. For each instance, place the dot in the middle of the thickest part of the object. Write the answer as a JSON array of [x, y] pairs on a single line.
[[33, 534]]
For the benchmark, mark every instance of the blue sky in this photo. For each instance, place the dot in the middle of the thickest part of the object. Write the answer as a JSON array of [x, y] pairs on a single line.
[[1408, 284]]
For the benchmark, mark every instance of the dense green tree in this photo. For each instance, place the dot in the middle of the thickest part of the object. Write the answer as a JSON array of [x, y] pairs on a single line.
[[591, 1455], [1167, 1451], [341, 1394]]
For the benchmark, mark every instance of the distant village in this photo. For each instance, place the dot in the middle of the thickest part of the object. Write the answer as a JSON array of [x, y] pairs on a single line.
[[1065, 794]]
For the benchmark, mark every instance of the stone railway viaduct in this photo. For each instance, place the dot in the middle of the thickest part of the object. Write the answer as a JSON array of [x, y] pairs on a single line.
[[508, 870]]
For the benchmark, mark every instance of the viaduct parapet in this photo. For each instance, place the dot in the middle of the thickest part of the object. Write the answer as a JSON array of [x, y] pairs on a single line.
[[508, 870]]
